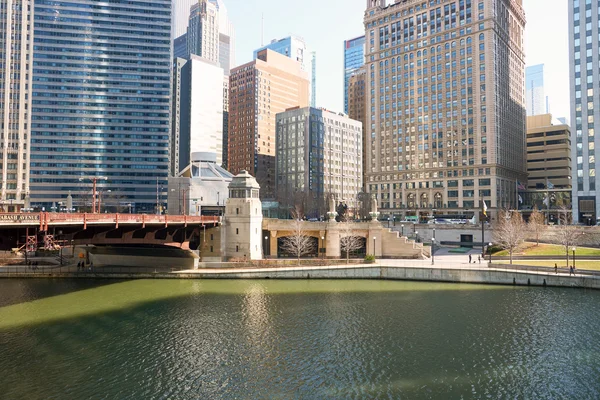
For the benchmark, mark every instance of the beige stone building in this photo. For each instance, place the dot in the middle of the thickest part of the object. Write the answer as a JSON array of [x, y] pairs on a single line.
[[16, 26], [445, 105], [549, 186], [357, 103], [258, 91]]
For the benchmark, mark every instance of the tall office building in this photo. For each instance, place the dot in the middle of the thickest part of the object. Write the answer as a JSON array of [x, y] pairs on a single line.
[[585, 107], [197, 124], [101, 102], [203, 31], [354, 58], [357, 103], [445, 105], [15, 106], [259, 90], [295, 48], [319, 154], [534, 90]]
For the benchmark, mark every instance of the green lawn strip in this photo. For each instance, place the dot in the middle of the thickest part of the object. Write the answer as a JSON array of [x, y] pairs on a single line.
[[530, 249], [591, 265]]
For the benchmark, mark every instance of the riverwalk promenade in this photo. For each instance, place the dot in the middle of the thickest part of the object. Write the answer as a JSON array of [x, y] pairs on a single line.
[[447, 268]]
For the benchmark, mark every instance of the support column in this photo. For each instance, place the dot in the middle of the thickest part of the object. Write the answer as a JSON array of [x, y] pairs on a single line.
[[333, 244], [273, 245]]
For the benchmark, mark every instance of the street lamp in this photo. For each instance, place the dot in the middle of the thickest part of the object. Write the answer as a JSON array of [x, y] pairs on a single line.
[[416, 237], [573, 249], [402, 226], [389, 221], [94, 180], [266, 244], [433, 251], [374, 246], [490, 250]]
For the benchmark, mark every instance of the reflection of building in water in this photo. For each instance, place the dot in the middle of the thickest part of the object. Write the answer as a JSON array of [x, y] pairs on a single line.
[[256, 314]]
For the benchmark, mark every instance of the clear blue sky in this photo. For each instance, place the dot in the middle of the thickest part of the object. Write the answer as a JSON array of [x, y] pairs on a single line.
[[325, 24]]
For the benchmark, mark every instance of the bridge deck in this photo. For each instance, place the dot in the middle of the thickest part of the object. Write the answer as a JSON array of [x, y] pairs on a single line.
[[45, 219]]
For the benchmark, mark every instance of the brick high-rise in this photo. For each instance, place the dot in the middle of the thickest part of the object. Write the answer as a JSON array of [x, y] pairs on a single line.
[[445, 105], [258, 91]]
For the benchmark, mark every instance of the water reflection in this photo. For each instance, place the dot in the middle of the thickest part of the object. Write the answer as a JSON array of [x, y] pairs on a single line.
[[300, 339]]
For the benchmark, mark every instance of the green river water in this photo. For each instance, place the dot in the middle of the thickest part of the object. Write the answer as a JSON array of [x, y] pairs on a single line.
[[269, 339]]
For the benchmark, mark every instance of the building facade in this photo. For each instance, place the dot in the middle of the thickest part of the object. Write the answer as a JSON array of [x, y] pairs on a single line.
[[295, 48], [203, 31], [357, 103], [445, 105], [585, 106], [16, 32], [548, 166], [354, 58], [197, 124], [101, 102], [534, 90], [319, 154], [258, 91]]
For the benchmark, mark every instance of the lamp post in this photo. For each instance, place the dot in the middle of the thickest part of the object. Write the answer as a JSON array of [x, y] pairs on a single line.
[[433, 251], [490, 250], [266, 244], [416, 237], [402, 226], [573, 249], [374, 246], [94, 180]]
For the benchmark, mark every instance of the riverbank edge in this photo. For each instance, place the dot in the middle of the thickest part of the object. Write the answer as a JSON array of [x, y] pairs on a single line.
[[495, 275]]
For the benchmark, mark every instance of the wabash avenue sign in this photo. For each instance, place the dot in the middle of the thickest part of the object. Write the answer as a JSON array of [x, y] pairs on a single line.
[[19, 217]]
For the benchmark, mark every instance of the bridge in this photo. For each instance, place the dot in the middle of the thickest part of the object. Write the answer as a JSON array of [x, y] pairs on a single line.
[[54, 230]]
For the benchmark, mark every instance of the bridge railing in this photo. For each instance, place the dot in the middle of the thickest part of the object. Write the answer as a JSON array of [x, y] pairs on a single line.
[[46, 218]]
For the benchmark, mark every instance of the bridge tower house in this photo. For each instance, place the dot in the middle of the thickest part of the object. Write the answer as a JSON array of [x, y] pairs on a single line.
[[243, 219]]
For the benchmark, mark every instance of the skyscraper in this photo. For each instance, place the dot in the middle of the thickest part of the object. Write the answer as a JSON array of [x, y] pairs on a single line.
[[445, 105], [354, 58], [319, 154], [197, 111], [295, 48], [585, 106], [15, 89], [259, 90], [203, 31], [101, 102], [534, 90]]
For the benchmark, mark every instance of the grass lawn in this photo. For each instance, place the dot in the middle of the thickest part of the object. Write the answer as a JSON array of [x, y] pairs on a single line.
[[591, 265], [530, 249]]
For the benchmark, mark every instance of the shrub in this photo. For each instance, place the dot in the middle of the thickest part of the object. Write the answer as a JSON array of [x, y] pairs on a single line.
[[369, 258]]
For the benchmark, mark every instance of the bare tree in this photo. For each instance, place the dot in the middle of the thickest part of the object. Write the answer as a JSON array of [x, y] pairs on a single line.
[[537, 224], [349, 242], [510, 231], [566, 234], [298, 243]]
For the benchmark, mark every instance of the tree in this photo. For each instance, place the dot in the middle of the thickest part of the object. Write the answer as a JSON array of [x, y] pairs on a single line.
[[510, 231], [298, 243], [537, 224], [567, 234], [348, 240]]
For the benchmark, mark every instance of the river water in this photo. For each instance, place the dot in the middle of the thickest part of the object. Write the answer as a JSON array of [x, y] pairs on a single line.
[[210, 339]]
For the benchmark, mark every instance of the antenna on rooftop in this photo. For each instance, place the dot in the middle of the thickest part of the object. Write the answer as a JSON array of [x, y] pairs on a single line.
[[262, 30]]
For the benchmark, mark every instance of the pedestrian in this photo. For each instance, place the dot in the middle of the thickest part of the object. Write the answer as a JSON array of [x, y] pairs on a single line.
[[91, 266], [479, 259], [469, 259], [555, 268], [570, 270]]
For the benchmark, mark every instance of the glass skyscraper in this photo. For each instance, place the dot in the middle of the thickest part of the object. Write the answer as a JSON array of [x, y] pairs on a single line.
[[534, 90], [354, 58], [101, 102], [585, 107]]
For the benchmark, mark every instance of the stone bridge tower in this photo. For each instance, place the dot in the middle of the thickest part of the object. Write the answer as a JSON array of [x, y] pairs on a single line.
[[243, 219]]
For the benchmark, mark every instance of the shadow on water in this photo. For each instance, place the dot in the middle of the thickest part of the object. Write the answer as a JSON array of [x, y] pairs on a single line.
[[15, 291], [301, 339]]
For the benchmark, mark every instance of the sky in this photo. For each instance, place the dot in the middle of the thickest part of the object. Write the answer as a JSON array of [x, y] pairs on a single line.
[[325, 24]]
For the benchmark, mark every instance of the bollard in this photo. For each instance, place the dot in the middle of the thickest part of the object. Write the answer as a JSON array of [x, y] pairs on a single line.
[[544, 283], [528, 282]]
